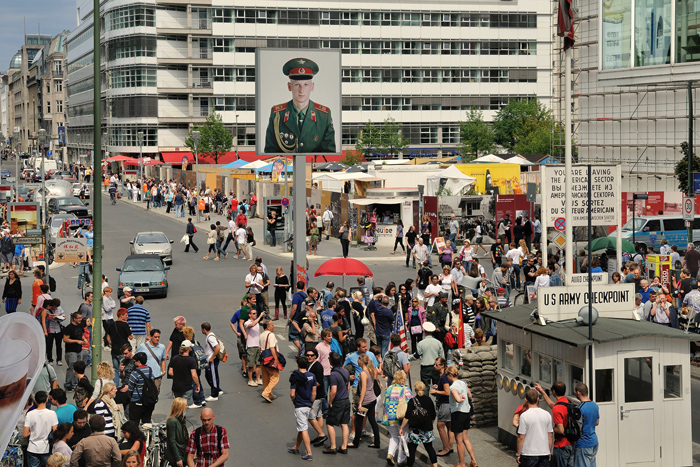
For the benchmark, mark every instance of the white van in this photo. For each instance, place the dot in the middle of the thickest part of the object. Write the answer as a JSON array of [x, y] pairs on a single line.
[[49, 164]]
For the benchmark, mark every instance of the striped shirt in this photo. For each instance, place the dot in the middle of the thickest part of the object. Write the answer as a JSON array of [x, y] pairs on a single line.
[[101, 408], [136, 382], [137, 319]]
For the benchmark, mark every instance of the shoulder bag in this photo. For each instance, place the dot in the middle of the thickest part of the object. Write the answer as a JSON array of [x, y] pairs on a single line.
[[268, 359]]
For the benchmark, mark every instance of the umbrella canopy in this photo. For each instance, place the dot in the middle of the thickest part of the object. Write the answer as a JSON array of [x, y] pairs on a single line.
[[356, 169], [122, 159], [146, 161], [332, 167], [254, 165], [269, 167], [234, 165], [343, 267], [610, 243]]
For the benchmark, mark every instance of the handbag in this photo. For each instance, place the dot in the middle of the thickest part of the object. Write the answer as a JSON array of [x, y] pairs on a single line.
[[402, 406], [268, 359], [416, 330], [377, 388]]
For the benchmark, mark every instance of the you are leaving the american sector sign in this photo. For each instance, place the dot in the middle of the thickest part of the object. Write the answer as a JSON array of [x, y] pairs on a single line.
[[611, 301], [605, 180]]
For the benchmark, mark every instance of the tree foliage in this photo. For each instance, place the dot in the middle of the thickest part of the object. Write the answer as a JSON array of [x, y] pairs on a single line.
[[384, 138], [681, 169], [216, 139], [352, 158], [476, 136]]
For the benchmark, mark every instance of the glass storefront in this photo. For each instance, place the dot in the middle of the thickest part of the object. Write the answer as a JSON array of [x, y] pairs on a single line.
[[652, 32], [687, 30], [617, 33]]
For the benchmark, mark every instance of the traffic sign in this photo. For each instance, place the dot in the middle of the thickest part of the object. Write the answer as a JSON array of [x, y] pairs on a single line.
[[560, 224], [559, 241], [688, 208], [28, 240], [285, 202]]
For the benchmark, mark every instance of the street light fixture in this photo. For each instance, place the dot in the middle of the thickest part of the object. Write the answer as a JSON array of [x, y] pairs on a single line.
[[635, 197], [139, 137], [196, 136]]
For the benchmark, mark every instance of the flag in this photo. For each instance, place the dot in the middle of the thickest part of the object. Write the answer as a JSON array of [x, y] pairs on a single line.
[[399, 328], [566, 22]]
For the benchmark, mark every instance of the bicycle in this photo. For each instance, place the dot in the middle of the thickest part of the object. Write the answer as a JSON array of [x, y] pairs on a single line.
[[290, 242], [156, 443], [84, 279]]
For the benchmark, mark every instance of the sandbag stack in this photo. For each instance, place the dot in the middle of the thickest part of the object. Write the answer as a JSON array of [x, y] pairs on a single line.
[[479, 371]]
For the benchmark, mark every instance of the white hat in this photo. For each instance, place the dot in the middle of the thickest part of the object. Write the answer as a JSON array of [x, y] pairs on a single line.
[[128, 289], [187, 344], [428, 327]]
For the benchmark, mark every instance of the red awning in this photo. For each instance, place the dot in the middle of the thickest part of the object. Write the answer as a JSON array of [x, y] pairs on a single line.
[[175, 158]]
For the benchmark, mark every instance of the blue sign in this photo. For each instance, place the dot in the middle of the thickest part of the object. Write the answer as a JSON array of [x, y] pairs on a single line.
[[61, 136], [696, 183], [49, 153], [652, 238]]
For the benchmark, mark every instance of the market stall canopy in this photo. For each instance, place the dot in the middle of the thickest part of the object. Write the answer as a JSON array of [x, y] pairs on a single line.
[[343, 267], [235, 164], [517, 160], [358, 168], [455, 182], [255, 165], [145, 161], [332, 167], [339, 176], [488, 159], [268, 168], [122, 159]]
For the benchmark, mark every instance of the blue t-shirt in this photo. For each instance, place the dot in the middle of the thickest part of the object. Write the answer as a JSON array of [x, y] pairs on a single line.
[[590, 414], [137, 319], [327, 318], [90, 236], [235, 318], [352, 358], [303, 393], [18, 250], [298, 300], [65, 413]]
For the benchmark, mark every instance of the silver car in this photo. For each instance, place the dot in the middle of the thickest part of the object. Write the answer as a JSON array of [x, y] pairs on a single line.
[[155, 243]]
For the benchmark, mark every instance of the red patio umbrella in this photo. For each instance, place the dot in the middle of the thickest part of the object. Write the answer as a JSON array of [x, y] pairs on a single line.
[[146, 161], [343, 267], [121, 159]]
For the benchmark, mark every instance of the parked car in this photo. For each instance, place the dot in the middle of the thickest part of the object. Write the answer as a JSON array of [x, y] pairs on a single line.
[[78, 186], [4, 173], [156, 243], [70, 205], [145, 274]]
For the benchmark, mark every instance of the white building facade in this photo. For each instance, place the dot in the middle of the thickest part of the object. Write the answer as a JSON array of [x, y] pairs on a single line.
[[169, 64]]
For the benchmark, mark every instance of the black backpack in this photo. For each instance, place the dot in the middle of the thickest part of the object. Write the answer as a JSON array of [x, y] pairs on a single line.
[[424, 278], [391, 364], [149, 392], [574, 421], [52, 284]]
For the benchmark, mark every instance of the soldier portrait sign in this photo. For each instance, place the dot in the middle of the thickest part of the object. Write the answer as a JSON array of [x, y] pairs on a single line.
[[298, 101]]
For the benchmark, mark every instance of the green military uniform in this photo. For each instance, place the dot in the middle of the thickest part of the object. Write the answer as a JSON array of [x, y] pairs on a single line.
[[294, 130], [437, 314], [284, 134]]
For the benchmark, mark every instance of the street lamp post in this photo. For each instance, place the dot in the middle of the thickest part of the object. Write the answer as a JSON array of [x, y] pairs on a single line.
[[139, 136], [635, 197], [17, 168], [196, 136], [42, 142]]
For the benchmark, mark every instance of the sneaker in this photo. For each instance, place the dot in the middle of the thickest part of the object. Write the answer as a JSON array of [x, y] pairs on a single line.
[[315, 440], [259, 382], [252, 384], [307, 457], [364, 434], [194, 406], [211, 398], [59, 363], [267, 399], [293, 451], [320, 441]]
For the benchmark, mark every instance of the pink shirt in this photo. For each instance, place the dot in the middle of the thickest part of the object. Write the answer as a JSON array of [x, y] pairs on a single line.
[[324, 351], [253, 335]]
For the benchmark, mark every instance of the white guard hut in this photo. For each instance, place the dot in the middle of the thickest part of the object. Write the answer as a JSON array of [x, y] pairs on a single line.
[[641, 380]]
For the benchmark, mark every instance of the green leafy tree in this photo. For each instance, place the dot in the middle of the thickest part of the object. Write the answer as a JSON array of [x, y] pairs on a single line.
[[681, 169], [391, 140], [216, 139], [476, 136], [517, 119], [352, 158], [368, 139]]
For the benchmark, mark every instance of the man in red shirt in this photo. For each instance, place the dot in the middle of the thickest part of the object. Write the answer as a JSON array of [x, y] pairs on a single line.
[[234, 203], [253, 204], [563, 452], [241, 219], [209, 444]]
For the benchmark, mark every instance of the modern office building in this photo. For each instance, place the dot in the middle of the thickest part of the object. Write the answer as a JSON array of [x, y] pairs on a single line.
[[167, 64], [633, 61]]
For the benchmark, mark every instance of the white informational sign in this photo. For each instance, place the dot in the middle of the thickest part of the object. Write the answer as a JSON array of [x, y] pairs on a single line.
[[560, 303], [597, 278], [71, 250], [688, 208], [604, 195]]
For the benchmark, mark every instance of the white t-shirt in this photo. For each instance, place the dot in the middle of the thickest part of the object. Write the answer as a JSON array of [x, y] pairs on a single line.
[[535, 424], [468, 334], [271, 341], [241, 236], [250, 279], [515, 254], [466, 253], [477, 231], [253, 334], [232, 226], [40, 423], [209, 345], [432, 289]]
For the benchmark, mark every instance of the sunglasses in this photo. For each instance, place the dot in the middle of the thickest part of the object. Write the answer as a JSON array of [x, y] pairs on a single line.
[[310, 355]]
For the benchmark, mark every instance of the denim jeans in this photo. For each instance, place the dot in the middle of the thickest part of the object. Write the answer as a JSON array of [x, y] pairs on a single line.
[[585, 457], [198, 397], [534, 461], [37, 460], [383, 342], [179, 212], [71, 379], [185, 395], [563, 457]]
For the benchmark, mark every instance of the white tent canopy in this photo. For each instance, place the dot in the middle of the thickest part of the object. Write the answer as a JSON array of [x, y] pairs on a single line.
[[339, 176], [517, 160], [255, 165], [489, 159], [455, 181]]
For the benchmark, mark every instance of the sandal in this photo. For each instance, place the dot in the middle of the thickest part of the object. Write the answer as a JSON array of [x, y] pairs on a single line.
[[373, 446], [206, 258], [216, 259]]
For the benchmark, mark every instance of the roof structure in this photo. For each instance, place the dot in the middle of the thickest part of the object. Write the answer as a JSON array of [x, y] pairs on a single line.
[[569, 332]]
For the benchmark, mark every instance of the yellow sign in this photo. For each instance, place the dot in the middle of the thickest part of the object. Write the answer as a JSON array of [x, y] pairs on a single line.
[[504, 177], [71, 250], [559, 240]]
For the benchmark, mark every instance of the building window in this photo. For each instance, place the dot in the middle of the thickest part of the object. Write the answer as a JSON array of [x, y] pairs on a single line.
[[545, 368], [638, 379], [652, 43], [48, 107], [525, 359], [133, 77], [58, 66], [59, 86], [672, 381], [604, 385], [575, 377], [508, 353], [59, 107], [129, 17]]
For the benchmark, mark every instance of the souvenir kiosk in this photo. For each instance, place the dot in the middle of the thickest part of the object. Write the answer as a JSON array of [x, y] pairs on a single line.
[[641, 373]]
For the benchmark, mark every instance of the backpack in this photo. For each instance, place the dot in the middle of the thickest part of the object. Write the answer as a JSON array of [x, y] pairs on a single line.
[[419, 415], [574, 421], [149, 392], [222, 350], [198, 440], [391, 364], [52, 284], [423, 278], [198, 354]]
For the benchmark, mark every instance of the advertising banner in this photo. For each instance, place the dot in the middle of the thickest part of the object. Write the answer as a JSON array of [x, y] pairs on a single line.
[[495, 179], [298, 101], [23, 217], [71, 250]]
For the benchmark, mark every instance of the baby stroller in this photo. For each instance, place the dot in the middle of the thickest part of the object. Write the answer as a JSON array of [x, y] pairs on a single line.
[[370, 236]]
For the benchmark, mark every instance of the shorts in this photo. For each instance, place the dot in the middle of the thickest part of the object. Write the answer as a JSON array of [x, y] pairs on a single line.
[[252, 356], [444, 415], [316, 409], [339, 413], [293, 335], [17, 260], [34, 251], [313, 241], [355, 400], [302, 416], [241, 348], [460, 422], [479, 240], [90, 249], [6, 258]]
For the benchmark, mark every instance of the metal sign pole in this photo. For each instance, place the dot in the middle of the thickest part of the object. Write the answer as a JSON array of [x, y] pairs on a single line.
[[299, 218]]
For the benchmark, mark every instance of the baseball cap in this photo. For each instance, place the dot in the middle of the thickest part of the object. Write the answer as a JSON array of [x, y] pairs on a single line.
[[187, 344], [501, 290], [469, 297], [128, 289], [309, 302]]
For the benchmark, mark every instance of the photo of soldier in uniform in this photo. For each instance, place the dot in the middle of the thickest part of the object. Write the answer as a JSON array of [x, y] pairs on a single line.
[[300, 125]]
